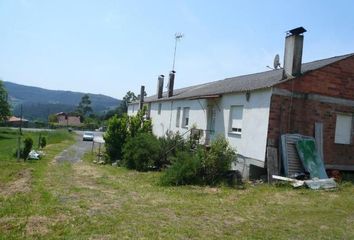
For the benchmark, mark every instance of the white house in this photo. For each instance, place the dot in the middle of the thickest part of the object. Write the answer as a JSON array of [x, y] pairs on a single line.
[[239, 108]]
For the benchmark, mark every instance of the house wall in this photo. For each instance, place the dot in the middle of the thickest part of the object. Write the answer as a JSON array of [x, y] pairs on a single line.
[[133, 109], [318, 97], [166, 120], [70, 121], [251, 144]]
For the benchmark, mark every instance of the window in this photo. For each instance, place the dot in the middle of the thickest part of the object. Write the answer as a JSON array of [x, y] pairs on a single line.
[[235, 125], [343, 132], [178, 116], [159, 109], [185, 122]]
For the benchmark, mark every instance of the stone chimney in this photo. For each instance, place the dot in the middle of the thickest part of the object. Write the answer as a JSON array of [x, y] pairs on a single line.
[[293, 52]]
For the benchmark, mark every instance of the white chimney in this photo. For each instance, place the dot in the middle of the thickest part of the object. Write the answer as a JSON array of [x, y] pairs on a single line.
[[293, 52]]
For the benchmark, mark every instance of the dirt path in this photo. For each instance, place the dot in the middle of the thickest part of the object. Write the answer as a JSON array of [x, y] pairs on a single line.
[[74, 153]]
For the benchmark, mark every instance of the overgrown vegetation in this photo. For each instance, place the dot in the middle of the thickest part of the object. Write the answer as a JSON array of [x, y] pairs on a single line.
[[28, 143], [141, 152], [120, 130], [42, 142], [130, 142], [45, 200], [202, 166]]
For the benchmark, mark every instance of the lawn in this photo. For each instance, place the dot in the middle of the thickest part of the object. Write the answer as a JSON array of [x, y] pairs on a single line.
[[88, 201]]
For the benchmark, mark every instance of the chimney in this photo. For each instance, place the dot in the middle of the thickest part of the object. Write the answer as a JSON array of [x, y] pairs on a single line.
[[171, 83], [142, 92], [293, 52], [160, 86]]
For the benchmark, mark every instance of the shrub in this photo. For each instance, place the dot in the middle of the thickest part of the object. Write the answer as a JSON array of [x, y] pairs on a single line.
[[217, 161], [184, 170], [208, 167], [170, 144], [138, 123], [28, 143], [120, 129], [115, 137], [43, 142], [141, 152]]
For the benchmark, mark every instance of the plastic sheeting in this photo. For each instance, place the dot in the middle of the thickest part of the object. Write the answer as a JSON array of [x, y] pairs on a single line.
[[310, 158]]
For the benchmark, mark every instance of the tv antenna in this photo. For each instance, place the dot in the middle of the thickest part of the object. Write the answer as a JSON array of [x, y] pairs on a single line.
[[178, 36]]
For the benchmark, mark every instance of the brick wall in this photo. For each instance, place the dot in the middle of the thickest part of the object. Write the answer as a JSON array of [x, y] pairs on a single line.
[[298, 115], [335, 80]]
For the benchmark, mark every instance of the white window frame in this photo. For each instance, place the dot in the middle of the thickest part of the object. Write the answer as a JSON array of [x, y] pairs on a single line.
[[343, 136], [239, 122], [186, 118], [178, 117]]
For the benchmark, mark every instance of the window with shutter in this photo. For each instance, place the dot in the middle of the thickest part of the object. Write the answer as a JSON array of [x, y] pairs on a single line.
[[235, 123], [343, 132]]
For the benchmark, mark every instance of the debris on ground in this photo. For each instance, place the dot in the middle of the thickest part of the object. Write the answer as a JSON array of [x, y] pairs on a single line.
[[35, 155], [302, 163], [314, 183]]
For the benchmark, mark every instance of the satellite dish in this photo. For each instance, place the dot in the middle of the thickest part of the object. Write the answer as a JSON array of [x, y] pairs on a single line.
[[276, 63]]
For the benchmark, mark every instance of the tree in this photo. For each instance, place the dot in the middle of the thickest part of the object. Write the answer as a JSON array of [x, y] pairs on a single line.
[[84, 106], [128, 98], [4, 105], [53, 118]]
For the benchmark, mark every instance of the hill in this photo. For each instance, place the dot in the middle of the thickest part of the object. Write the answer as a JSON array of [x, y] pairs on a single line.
[[38, 103]]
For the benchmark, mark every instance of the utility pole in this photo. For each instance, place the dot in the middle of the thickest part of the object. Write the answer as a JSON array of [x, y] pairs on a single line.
[[19, 136], [21, 121]]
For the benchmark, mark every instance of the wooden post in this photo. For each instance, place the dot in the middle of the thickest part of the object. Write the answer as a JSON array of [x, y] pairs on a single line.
[[319, 138], [272, 163], [39, 140], [18, 147]]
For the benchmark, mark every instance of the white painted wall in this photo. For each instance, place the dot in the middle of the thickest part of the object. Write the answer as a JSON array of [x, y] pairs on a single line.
[[166, 120], [251, 143], [133, 109]]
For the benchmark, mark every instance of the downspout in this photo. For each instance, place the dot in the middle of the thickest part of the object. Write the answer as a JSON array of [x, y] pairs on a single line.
[[170, 116]]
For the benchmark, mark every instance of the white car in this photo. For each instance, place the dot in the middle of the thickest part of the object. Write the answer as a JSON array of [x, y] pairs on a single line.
[[88, 136]]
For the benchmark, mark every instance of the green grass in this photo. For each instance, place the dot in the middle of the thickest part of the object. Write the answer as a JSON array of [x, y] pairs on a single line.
[[9, 167], [88, 201]]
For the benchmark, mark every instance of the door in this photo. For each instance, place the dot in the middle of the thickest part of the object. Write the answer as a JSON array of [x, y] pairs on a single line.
[[211, 117]]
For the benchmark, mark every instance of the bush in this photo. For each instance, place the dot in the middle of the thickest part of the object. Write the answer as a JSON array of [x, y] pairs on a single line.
[[184, 170], [115, 137], [43, 142], [141, 152], [217, 161], [120, 129], [28, 143], [208, 167], [170, 144]]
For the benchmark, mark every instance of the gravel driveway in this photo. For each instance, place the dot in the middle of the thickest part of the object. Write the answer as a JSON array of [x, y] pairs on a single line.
[[75, 152]]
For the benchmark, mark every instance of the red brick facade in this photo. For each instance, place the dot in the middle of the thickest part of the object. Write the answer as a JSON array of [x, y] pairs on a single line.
[[298, 114]]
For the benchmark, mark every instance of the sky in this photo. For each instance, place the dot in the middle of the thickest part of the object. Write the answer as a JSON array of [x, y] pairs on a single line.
[[111, 47]]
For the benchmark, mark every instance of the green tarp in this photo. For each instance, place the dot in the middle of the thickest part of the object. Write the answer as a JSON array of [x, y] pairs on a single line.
[[310, 158]]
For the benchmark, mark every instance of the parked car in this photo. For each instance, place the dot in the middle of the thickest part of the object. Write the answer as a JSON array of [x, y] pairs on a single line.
[[88, 136]]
